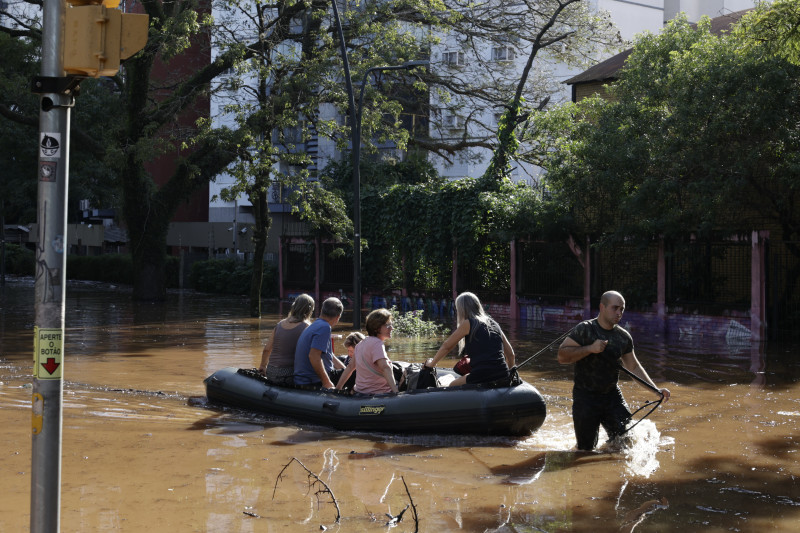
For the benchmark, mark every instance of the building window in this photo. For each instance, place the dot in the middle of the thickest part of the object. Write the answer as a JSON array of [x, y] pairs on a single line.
[[452, 121], [455, 59], [502, 53]]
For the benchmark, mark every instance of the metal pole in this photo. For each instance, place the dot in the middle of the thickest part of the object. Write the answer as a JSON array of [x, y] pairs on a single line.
[[356, 175], [49, 288], [355, 141]]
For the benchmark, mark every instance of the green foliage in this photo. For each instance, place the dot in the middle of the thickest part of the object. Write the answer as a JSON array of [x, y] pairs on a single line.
[[411, 324], [775, 27], [402, 202], [228, 276], [702, 137], [19, 260]]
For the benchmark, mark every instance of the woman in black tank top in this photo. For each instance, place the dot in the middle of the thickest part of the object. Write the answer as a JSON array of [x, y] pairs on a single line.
[[479, 337]]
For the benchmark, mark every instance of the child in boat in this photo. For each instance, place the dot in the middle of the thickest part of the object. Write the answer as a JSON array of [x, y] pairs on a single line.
[[480, 338], [374, 374], [348, 378]]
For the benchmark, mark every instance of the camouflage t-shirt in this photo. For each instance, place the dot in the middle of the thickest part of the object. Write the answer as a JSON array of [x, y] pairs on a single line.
[[599, 372]]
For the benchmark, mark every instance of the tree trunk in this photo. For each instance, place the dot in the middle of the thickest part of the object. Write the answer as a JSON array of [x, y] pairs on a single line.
[[147, 223], [259, 198]]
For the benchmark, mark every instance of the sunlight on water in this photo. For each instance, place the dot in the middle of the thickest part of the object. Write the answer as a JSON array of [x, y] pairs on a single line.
[[138, 433], [643, 443]]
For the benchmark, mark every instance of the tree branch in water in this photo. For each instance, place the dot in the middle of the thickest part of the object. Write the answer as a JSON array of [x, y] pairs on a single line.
[[314, 481]]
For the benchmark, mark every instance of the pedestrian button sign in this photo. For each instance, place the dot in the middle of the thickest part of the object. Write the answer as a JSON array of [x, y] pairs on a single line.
[[48, 353]]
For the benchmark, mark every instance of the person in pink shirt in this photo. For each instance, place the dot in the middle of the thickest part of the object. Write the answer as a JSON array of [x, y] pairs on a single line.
[[373, 368]]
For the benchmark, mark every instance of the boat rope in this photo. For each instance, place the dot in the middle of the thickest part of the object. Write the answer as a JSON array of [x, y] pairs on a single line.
[[540, 352], [654, 403]]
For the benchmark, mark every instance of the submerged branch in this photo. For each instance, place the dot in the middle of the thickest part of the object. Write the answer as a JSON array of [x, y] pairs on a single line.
[[316, 481], [413, 507]]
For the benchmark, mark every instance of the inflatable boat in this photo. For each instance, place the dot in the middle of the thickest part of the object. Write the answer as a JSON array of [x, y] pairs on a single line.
[[516, 410]]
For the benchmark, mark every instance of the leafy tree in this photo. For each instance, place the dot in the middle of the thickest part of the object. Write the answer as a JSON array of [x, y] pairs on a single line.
[[544, 33], [20, 34], [289, 76], [701, 138], [774, 26], [149, 123]]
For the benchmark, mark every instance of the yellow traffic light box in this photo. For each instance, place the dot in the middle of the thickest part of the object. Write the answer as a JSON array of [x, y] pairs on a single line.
[[98, 37]]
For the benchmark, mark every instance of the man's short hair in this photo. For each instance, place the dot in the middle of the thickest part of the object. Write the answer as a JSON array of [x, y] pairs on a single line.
[[332, 308], [604, 299]]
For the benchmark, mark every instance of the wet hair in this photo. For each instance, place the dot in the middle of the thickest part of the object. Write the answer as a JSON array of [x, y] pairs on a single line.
[[376, 319], [353, 339], [302, 308], [332, 308], [469, 306]]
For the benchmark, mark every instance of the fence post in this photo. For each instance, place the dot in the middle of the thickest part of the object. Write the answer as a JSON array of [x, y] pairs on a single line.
[[587, 281], [282, 242], [316, 274], [661, 286], [455, 273], [514, 308], [758, 284]]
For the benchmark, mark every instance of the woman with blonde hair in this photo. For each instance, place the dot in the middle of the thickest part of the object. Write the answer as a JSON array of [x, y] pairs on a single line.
[[480, 338], [277, 359]]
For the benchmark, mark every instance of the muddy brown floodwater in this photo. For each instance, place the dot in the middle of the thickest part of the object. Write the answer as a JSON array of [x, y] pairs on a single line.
[[143, 451]]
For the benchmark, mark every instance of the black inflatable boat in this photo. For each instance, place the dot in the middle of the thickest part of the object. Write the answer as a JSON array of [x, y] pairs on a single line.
[[516, 410]]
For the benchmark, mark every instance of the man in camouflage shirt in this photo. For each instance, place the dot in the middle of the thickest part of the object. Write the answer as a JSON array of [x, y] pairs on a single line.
[[598, 347]]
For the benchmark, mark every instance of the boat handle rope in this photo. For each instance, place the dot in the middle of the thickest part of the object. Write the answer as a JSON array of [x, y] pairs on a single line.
[[654, 403], [540, 352]]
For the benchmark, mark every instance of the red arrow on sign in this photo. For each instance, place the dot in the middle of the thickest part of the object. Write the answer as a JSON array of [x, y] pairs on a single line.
[[50, 365]]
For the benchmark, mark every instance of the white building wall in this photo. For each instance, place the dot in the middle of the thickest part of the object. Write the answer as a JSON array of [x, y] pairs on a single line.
[[631, 17], [695, 9]]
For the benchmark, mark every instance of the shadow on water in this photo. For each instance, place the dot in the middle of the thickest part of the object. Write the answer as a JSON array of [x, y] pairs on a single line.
[[727, 459]]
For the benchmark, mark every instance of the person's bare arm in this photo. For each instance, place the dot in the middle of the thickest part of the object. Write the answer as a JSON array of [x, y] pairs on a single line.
[[508, 351], [632, 364], [570, 351], [267, 352], [315, 358], [348, 371], [461, 331], [388, 374]]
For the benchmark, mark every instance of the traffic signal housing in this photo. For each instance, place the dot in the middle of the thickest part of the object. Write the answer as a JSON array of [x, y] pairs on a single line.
[[97, 37]]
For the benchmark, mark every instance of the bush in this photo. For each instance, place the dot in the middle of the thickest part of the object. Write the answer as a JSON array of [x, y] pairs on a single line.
[[19, 260], [229, 276], [411, 324]]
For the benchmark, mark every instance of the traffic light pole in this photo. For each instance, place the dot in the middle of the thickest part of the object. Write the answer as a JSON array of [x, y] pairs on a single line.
[[51, 265]]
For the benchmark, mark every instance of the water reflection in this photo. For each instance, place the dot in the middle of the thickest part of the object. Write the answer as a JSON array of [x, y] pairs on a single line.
[[138, 434]]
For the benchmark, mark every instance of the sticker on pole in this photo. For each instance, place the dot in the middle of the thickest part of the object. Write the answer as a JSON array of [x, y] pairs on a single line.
[[48, 353], [50, 145], [47, 170]]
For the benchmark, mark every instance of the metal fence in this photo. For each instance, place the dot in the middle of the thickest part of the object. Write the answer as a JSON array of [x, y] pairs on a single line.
[[709, 277], [300, 270], [706, 277], [628, 268], [783, 288], [549, 272], [487, 275]]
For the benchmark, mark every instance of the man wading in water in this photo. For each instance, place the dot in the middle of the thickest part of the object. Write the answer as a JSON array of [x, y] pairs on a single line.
[[597, 347]]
